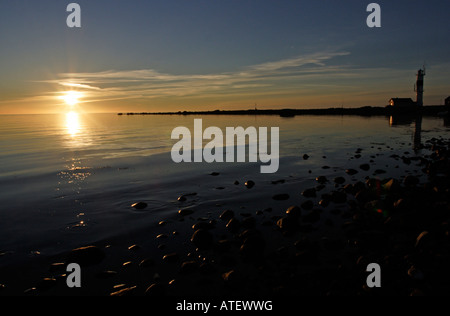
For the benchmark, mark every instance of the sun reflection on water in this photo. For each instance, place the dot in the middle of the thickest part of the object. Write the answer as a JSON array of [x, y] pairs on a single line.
[[73, 123]]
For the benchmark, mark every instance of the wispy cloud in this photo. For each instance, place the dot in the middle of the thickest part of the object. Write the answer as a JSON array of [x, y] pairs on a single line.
[[150, 83]]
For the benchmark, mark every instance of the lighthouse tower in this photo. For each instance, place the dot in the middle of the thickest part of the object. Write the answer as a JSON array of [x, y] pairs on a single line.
[[419, 87]]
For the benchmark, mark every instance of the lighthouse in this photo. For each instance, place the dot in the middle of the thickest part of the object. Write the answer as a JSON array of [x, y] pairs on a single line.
[[419, 86]]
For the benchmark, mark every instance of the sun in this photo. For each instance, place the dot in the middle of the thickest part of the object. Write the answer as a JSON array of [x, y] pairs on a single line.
[[71, 97]]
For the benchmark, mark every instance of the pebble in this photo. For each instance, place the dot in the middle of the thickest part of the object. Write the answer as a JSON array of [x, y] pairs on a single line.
[[364, 166], [226, 215], [84, 256], [322, 179], [307, 205], [184, 212], [202, 239], [294, 211], [139, 205], [311, 192], [280, 197], [249, 184], [171, 257]]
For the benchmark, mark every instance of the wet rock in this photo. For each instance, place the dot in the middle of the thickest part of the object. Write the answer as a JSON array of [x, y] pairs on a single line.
[[339, 180], [312, 216], [248, 222], [124, 292], [147, 263], [86, 256], [311, 192], [294, 211], [233, 225], [139, 205], [252, 248], [214, 173], [45, 284], [134, 247], [184, 212], [351, 171], [249, 184], [379, 171], [188, 267], [411, 181], [226, 215], [307, 205], [155, 289], [280, 197], [202, 239], [106, 274], [232, 278], [424, 240], [305, 156], [288, 224], [338, 197], [364, 166], [322, 179], [171, 257]]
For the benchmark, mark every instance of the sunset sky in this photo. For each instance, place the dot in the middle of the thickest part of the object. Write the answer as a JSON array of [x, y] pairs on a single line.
[[132, 56]]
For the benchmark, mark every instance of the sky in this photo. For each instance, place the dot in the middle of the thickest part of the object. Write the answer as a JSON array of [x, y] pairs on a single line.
[[185, 55]]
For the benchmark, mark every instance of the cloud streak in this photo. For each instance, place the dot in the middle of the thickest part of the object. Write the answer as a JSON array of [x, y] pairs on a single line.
[[149, 83]]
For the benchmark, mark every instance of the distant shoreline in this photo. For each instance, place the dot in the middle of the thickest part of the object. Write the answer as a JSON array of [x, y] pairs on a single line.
[[361, 111]]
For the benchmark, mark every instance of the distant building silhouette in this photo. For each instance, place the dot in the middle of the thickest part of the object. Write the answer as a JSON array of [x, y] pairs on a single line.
[[401, 102]]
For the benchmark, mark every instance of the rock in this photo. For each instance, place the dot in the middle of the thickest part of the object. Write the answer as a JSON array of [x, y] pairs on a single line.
[[288, 224], [305, 156], [338, 197], [252, 248], [364, 166], [339, 180], [424, 240], [139, 205], [411, 181], [311, 192], [232, 278], [155, 289], [146, 263], [233, 225], [45, 284], [184, 212], [86, 256], [312, 216], [307, 205], [171, 257], [202, 239], [351, 172], [294, 211], [188, 267], [280, 197], [203, 225], [226, 215], [379, 171], [322, 179], [214, 173], [124, 291], [249, 184], [134, 247], [106, 274]]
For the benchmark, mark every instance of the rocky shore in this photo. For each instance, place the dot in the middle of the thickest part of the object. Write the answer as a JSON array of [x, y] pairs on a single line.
[[321, 246]]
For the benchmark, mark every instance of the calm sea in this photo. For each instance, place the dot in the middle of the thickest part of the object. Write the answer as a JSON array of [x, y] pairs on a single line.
[[69, 179]]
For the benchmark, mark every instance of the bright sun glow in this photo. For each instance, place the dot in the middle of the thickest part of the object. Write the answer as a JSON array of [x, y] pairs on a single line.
[[71, 97]]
